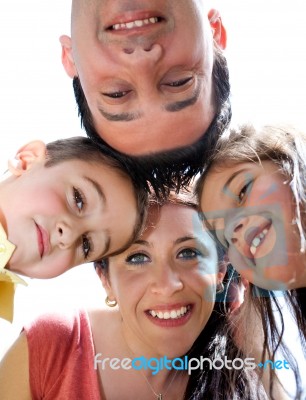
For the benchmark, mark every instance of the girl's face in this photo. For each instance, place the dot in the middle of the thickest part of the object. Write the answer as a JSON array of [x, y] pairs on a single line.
[[165, 283], [250, 208], [66, 215]]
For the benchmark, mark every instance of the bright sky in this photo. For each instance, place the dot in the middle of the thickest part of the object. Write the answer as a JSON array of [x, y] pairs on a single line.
[[267, 59]]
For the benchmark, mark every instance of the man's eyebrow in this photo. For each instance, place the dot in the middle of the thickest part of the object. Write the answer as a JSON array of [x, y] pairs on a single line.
[[120, 117], [180, 105], [171, 107]]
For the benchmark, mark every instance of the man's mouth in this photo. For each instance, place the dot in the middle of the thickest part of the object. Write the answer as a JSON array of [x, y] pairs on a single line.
[[138, 23], [170, 314]]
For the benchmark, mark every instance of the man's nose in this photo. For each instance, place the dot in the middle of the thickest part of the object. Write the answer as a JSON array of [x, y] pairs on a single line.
[[166, 281], [144, 57]]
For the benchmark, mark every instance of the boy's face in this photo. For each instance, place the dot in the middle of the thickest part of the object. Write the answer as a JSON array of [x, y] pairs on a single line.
[[66, 215]]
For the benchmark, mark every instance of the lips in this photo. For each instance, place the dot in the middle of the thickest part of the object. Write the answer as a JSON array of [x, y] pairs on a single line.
[[134, 20], [42, 240], [257, 236], [170, 315]]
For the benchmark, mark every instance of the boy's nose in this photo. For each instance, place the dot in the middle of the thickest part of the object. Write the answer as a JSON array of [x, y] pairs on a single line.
[[66, 234]]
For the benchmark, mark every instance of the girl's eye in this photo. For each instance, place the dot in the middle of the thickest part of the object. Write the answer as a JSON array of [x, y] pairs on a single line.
[[137, 259], [244, 191], [78, 199], [86, 246], [189, 254], [116, 95], [180, 82]]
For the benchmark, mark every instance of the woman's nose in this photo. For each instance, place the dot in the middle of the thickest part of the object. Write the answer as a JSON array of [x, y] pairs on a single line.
[[167, 281]]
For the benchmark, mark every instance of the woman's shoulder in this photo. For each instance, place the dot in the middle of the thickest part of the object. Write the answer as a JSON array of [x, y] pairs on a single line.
[[58, 326]]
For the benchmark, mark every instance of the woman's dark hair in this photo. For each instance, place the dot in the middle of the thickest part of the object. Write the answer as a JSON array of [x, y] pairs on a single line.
[[216, 339]]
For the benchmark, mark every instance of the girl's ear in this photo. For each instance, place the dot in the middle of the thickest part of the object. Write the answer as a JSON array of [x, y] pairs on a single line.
[[28, 155], [67, 56], [219, 32], [106, 284]]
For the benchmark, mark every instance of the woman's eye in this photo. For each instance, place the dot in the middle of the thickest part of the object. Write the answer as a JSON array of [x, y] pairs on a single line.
[[116, 95], [86, 246], [78, 199], [180, 82], [137, 259], [244, 191], [189, 254]]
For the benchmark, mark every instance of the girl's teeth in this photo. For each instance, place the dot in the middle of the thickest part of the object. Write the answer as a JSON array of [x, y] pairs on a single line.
[[135, 24], [256, 241], [173, 314]]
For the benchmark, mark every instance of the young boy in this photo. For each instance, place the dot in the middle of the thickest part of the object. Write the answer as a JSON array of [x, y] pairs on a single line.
[[64, 204]]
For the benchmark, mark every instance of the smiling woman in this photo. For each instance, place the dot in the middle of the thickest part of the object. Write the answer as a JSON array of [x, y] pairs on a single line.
[[162, 294]]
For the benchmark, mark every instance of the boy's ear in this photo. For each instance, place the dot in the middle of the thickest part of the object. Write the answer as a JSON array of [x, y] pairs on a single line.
[[27, 156], [67, 56], [106, 284], [219, 32]]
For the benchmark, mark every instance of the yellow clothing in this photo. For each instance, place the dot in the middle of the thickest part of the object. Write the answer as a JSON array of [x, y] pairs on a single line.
[[8, 279]]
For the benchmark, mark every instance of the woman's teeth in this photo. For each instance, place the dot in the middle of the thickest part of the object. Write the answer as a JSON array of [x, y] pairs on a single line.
[[135, 24], [173, 314], [256, 241]]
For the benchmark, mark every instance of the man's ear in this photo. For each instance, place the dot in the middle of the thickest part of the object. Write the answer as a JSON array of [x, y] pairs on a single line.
[[106, 284], [28, 155], [219, 32], [67, 57]]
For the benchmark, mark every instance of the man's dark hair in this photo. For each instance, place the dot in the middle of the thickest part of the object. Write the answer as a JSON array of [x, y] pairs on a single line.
[[171, 169]]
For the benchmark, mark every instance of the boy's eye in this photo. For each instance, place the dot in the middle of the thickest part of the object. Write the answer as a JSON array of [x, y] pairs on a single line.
[[244, 191], [137, 259], [78, 199], [189, 254], [86, 247]]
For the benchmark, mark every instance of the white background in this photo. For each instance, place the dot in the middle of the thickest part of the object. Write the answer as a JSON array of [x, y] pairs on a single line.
[[267, 59]]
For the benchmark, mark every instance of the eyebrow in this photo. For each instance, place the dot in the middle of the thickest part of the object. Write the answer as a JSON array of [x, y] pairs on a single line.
[[171, 107], [102, 196], [180, 105], [97, 188], [230, 179], [184, 239]]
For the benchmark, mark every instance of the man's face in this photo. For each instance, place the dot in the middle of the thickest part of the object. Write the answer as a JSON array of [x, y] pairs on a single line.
[[145, 67]]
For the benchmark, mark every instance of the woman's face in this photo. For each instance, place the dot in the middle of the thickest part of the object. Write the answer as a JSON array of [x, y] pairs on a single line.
[[250, 208], [165, 283]]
